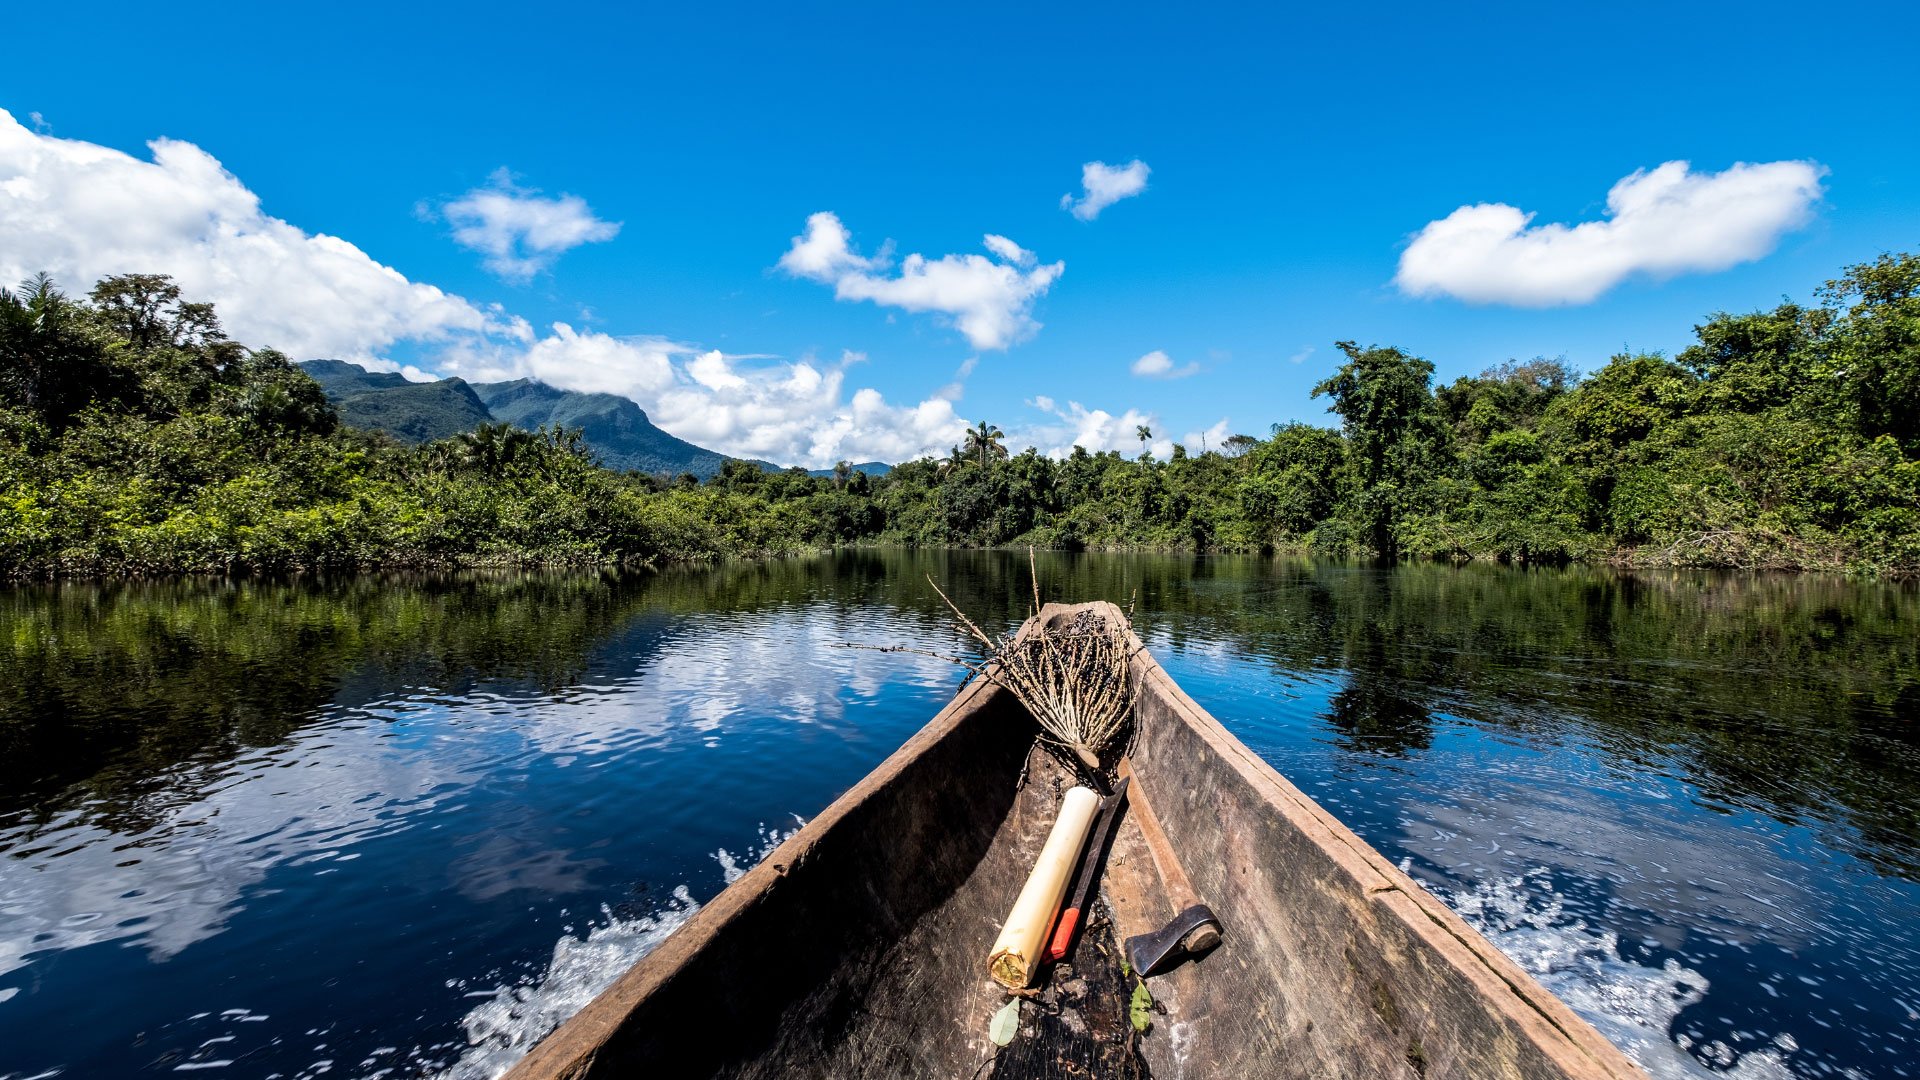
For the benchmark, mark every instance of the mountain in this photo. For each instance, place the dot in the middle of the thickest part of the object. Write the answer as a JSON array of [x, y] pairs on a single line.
[[871, 468], [385, 401], [615, 428], [340, 379]]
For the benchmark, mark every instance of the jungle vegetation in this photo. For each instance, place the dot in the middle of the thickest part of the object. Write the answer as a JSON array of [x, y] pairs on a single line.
[[136, 437]]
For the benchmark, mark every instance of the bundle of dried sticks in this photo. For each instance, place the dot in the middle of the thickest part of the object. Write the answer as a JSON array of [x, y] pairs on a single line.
[[1075, 675]]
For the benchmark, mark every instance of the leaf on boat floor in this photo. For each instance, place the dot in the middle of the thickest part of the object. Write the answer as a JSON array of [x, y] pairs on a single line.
[[1005, 1023], [1140, 1010], [1078, 1026]]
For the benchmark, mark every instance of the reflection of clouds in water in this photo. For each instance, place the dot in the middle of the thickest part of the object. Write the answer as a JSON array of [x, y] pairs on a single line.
[[323, 791], [502, 864], [1728, 882], [375, 771], [772, 669]]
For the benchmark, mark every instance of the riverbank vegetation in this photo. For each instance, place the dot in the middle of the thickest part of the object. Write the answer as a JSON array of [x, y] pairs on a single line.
[[135, 437]]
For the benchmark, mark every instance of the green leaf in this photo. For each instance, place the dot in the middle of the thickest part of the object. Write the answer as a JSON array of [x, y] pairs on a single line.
[[1005, 1023], [1141, 1009]]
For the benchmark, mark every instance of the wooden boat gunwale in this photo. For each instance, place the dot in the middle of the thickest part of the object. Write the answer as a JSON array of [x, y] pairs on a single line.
[[1546, 1034], [1573, 1043]]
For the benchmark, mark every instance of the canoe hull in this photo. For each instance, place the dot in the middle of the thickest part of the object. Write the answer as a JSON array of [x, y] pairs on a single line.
[[1335, 962], [858, 948]]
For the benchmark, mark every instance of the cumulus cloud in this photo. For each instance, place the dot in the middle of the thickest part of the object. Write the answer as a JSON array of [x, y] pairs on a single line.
[[82, 211], [824, 251], [990, 300], [1102, 185], [798, 412], [1010, 251], [1659, 223], [1099, 430], [590, 362], [1095, 429], [1158, 365], [520, 231], [1209, 438]]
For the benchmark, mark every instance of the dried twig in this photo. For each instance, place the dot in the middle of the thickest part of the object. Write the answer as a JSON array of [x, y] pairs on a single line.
[[1074, 675]]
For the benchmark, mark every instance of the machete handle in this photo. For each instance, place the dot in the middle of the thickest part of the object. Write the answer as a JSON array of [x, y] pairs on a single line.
[[1063, 934]]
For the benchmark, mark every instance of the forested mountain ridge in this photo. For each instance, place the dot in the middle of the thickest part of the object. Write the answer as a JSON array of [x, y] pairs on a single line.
[[386, 401], [617, 429], [614, 428], [136, 438]]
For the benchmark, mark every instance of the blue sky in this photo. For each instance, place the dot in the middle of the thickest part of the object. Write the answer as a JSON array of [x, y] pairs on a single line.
[[1293, 159]]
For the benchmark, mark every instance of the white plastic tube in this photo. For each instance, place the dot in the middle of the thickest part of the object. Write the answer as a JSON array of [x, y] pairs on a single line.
[[1017, 951]]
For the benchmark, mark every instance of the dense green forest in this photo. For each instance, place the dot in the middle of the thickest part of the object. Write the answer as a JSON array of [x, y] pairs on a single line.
[[135, 437]]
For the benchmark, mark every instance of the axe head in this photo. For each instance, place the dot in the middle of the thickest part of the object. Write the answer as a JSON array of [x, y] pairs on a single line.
[[1192, 934]]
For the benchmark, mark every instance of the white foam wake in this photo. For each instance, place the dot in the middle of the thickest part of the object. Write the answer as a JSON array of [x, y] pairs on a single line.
[[1632, 1004], [502, 1028]]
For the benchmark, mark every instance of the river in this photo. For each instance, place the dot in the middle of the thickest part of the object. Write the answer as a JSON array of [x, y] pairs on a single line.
[[396, 826]]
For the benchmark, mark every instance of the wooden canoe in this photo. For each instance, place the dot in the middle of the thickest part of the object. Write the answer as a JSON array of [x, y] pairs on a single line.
[[858, 948]]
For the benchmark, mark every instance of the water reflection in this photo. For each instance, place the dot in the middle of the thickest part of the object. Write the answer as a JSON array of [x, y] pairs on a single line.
[[294, 823]]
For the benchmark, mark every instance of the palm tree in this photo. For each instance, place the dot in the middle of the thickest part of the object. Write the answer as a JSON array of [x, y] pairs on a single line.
[[983, 442], [45, 357], [490, 448], [952, 461], [1143, 433]]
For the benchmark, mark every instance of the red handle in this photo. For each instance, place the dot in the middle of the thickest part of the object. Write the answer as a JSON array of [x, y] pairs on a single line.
[[1063, 934]]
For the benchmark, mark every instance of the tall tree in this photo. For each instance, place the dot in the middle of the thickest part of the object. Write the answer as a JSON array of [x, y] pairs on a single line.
[[984, 442], [148, 311], [1385, 402], [1875, 345], [50, 361]]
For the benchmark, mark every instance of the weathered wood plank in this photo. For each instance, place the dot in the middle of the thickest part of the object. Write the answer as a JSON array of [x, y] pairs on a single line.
[[1357, 969], [858, 948]]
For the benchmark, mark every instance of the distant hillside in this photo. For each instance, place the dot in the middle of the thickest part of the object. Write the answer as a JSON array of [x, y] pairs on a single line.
[[617, 429], [339, 378], [384, 401], [871, 468]]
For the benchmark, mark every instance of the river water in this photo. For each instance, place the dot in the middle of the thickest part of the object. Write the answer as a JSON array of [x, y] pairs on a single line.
[[400, 826]]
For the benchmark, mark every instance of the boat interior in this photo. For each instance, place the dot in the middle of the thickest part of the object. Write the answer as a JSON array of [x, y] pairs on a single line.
[[859, 947]]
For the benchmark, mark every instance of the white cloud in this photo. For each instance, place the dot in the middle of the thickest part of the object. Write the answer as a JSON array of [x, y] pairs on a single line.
[[989, 300], [957, 389], [1301, 356], [1158, 365], [824, 251], [1211, 438], [520, 231], [787, 413], [1102, 185], [1010, 251], [1660, 223], [1100, 431], [590, 362], [797, 413], [1095, 429], [82, 211]]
